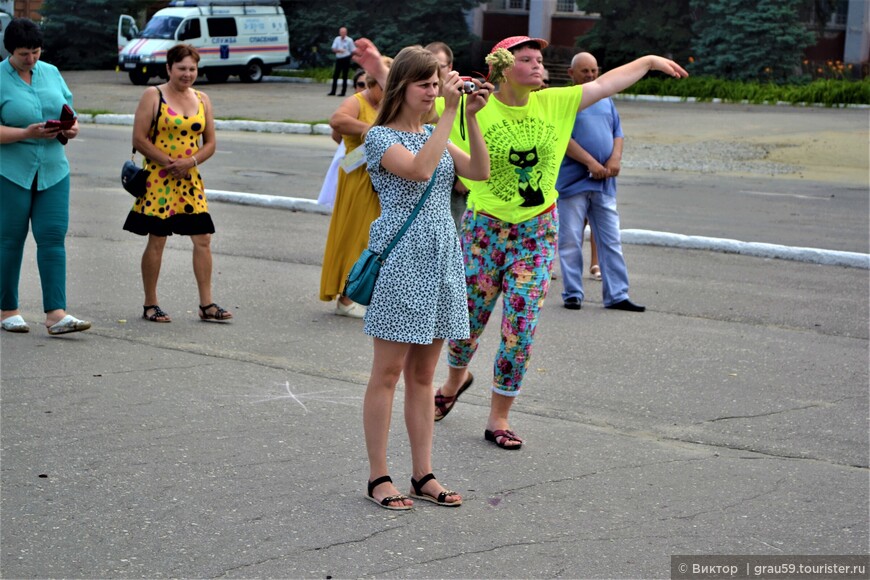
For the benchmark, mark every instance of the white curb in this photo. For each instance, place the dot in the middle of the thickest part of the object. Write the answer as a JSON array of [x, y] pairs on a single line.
[[757, 249]]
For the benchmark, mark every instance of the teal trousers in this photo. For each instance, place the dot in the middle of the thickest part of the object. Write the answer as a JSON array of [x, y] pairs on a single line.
[[47, 212]]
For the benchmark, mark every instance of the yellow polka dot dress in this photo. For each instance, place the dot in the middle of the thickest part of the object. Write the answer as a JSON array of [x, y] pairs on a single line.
[[171, 205]]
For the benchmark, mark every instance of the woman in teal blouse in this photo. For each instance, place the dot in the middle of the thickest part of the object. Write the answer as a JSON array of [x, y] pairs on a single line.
[[34, 178]]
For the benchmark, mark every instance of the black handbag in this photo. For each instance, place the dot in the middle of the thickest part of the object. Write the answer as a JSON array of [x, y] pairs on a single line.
[[360, 283], [135, 178]]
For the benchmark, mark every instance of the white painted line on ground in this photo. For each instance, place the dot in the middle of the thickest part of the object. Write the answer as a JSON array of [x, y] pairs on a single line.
[[637, 237]]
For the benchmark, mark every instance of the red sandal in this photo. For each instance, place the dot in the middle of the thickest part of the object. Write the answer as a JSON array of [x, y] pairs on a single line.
[[444, 404], [501, 436]]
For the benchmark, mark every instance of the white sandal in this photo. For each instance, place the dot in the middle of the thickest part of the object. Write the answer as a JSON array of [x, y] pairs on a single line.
[[352, 310], [68, 324], [15, 324]]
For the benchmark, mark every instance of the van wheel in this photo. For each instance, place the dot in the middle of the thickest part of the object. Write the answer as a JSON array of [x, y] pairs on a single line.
[[137, 77], [217, 76], [253, 72]]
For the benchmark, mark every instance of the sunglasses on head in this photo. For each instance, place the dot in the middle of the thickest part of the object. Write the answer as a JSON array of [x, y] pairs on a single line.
[[360, 85]]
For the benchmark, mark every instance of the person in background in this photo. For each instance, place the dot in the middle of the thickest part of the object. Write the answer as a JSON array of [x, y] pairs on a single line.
[[330, 182], [510, 228], [359, 81], [34, 178], [459, 193], [356, 203], [444, 54], [359, 85], [594, 270], [545, 79], [587, 188], [419, 298], [175, 202], [342, 47]]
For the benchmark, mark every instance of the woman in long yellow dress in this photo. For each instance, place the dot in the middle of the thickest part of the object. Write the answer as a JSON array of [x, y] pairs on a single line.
[[356, 203]]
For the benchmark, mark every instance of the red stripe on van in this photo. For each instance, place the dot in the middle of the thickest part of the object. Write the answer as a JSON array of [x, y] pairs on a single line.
[[138, 45]]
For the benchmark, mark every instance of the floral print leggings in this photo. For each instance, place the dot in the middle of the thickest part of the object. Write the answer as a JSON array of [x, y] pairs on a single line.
[[514, 260]]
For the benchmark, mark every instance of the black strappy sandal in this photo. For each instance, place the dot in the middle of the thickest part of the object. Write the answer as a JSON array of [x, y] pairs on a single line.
[[158, 313], [385, 503], [220, 315], [442, 497]]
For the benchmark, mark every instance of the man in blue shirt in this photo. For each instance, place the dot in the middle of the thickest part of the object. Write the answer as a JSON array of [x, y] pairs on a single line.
[[587, 189]]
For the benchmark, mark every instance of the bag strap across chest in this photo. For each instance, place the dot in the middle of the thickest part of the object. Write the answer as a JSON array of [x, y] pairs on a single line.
[[409, 221], [153, 135]]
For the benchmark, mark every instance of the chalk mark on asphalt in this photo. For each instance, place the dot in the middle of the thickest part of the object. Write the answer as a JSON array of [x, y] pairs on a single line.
[[287, 394]]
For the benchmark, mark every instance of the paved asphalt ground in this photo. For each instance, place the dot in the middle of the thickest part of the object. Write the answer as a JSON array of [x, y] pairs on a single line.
[[730, 418]]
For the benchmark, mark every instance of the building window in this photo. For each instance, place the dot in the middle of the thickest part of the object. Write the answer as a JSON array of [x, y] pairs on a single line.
[[840, 12], [513, 5], [566, 6], [833, 16]]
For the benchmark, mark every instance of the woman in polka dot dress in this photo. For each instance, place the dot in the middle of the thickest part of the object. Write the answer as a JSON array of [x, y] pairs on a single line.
[[174, 202]]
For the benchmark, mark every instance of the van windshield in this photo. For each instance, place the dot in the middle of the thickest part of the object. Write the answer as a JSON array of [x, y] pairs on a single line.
[[161, 27]]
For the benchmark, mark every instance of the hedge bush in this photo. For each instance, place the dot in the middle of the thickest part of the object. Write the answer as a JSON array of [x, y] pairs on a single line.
[[827, 92]]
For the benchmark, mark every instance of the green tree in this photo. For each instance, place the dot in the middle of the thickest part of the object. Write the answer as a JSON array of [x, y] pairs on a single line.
[[749, 39], [389, 24], [629, 29], [82, 34]]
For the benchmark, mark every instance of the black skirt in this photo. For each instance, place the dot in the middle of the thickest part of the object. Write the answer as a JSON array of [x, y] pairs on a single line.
[[183, 224]]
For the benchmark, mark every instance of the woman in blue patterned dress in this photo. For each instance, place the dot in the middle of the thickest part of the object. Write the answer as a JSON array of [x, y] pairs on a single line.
[[419, 300]]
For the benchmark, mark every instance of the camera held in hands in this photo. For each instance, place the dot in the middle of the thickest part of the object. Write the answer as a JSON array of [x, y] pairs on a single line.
[[468, 85]]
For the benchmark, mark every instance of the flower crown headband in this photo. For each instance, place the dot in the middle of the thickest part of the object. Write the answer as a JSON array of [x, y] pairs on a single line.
[[498, 61]]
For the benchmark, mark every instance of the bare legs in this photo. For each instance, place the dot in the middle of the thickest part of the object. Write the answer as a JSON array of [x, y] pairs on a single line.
[[418, 363], [202, 266], [152, 260]]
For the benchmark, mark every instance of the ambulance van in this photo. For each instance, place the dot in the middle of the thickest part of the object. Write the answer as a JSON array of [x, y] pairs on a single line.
[[233, 37]]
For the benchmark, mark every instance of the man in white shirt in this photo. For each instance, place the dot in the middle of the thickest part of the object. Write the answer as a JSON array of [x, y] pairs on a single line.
[[343, 48]]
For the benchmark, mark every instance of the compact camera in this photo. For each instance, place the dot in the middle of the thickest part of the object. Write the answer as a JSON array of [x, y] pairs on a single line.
[[468, 85]]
